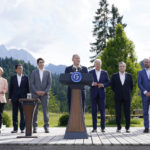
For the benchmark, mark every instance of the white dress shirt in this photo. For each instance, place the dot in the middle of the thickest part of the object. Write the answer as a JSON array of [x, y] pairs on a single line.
[[19, 79], [148, 75], [98, 73], [148, 72], [122, 77], [77, 67], [41, 74]]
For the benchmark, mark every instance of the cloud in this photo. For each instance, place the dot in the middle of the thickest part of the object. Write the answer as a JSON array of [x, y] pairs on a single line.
[[57, 29]]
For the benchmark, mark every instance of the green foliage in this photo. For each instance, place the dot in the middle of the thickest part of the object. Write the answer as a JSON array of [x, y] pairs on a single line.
[[105, 22], [63, 120], [6, 119], [8, 64], [136, 100], [100, 29], [114, 20], [54, 104], [60, 92], [119, 48], [133, 121]]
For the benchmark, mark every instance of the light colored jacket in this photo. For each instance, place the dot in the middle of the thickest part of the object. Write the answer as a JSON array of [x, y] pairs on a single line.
[[37, 85], [3, 88]]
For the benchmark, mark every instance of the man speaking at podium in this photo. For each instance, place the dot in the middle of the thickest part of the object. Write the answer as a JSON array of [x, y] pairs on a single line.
[[76, 67]]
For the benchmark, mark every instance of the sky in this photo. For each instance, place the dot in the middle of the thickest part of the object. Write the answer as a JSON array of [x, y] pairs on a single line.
[[57, 29]]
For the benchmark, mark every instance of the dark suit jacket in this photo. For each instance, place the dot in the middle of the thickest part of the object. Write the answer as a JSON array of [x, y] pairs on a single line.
[[16, 92], [104, 79], [122, 91], [69, 70]]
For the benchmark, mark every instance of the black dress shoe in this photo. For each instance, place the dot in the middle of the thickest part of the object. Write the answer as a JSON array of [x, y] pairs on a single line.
[[46, 130], [14, 131], [118, 130], [94, 130], [127, 131], [34, 130], [146, 130], [22, 131], [102, 130]]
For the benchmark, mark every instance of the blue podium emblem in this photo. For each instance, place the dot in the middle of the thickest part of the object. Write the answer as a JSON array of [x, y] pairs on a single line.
[[76, 76]]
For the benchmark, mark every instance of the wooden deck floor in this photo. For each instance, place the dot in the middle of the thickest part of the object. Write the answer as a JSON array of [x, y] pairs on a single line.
[[55, 137]]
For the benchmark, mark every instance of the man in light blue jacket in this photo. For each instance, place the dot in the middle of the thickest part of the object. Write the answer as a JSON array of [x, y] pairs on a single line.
[[144, 85]]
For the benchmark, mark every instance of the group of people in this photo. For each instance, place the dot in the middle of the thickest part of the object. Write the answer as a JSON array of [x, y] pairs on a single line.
[[40, 84], [122, 86]]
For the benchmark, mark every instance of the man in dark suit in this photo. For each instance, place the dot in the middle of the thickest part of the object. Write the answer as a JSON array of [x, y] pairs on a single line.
[[18, 88], [122, 86], [97, 94], [144, 85], [73, 68]]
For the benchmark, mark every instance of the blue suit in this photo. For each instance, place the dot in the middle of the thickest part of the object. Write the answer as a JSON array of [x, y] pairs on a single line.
[[144, 85], [98, 97]]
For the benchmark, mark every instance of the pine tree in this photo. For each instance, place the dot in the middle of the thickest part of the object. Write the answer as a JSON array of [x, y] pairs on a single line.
[[119, 48], [114, 20], [105, 23], [100, 29]]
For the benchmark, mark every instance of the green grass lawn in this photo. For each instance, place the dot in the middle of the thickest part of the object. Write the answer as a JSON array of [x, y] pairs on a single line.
[[54, 117]]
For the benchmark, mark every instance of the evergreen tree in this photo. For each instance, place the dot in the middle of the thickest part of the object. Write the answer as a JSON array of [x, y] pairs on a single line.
[[100, 29], [119, 48], [114, 20], [54, 104], [105, 23]]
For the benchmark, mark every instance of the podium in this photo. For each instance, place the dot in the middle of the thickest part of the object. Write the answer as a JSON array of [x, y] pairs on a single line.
[[29, 106], [76, 126]]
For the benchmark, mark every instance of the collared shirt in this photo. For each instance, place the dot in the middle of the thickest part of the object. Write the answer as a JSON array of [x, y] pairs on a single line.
[[148, 75], [77, 67], [148, 72], [98, 73], [41, 74], [19, 79], [122, 77]]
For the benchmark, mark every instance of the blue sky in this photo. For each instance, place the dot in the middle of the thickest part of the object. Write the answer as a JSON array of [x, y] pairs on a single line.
[[56, 29]]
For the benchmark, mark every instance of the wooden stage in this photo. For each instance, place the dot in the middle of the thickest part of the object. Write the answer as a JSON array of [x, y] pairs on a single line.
[[55, 137]]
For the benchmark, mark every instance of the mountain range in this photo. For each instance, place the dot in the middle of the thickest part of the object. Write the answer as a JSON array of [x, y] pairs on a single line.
[[27, 57]]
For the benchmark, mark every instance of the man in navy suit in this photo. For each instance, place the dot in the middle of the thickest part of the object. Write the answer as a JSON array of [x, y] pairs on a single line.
[[144, 85], [73, 68], [122, 86], [18, 88], [97, 94]]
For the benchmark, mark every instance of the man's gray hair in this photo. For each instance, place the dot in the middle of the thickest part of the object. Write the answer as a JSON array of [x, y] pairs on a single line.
[[74, 55], [98, 60], [122, 63]]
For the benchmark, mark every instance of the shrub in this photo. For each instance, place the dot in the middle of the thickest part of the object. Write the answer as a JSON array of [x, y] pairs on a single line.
[[63, 120], [6, 119]]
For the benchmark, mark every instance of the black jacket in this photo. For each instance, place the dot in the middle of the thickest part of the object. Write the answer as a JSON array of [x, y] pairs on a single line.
[[16, 92], [122, 91], [71, 69]]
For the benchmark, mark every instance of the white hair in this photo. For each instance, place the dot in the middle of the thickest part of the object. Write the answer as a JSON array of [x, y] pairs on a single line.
[[98, 60]]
